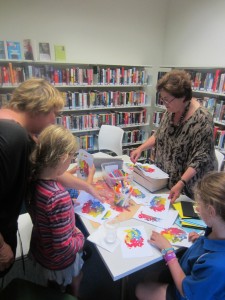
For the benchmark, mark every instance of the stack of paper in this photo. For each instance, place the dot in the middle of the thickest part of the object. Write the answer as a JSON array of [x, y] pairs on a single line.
[[150, 176], [188, 219]]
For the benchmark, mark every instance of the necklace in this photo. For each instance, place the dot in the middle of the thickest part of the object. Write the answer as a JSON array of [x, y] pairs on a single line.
[[181, 117]]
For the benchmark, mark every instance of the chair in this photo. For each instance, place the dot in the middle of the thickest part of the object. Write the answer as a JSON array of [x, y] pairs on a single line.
[[21, 289], [110, 138], [220, 159]]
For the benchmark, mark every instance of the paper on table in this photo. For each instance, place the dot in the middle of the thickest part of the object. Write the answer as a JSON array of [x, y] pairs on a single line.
[[143, 215], [158, 205], [176, 235], [98, 238], [140, 195], [134, 242], [92, 209], [151, 171]]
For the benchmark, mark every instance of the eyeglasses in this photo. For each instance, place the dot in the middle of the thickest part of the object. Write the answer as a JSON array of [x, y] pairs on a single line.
[[166, 101]]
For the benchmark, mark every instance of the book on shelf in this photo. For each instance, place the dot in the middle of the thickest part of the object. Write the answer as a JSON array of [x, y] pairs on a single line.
[[218, 111], [2, 50], [28, 49], [60, 52], [14, 50], [216, 79], [221, 83], [44, 51], [220, 139]]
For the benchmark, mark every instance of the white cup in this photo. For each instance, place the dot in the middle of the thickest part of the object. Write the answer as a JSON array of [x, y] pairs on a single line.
[[110, 228]]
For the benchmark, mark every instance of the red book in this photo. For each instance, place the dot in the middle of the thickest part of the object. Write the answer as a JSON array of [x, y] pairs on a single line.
[[215, 129], [216, 80]]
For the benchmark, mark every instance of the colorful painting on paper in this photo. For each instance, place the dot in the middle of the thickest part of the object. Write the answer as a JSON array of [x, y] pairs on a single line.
[[109, 195], [85, 160], [93, 208], [133, 238], [147, 168], [134, 242], [159, 205], [89, 207], [144, 215], [151, 171], [137, 193], [140, 195], [176, 236]]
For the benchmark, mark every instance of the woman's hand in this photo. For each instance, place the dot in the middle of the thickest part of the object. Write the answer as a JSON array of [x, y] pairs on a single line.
[[176, 191], [159, 240], [135, 155]]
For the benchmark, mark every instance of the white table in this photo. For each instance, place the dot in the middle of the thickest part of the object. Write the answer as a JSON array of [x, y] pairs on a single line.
[[118, 266]]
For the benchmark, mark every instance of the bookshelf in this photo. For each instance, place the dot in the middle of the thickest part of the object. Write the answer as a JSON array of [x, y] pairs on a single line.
[[94, 94]]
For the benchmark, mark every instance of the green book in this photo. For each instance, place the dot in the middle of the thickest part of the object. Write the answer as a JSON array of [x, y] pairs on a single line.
[[60, 53]]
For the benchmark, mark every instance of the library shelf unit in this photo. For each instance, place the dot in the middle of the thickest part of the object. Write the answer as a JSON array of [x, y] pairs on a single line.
[[94, 94], [208, 86]]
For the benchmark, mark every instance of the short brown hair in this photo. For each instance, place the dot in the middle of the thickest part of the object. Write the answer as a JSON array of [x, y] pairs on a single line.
[[177, 83], [36, 95]]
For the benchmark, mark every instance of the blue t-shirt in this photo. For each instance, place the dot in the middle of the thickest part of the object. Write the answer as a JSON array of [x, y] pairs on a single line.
[[204, 266]]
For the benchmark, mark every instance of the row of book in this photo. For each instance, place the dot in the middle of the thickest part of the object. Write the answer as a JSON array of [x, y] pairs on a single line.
[[94, 121], [212, 81], [96, 99], [157, 117], [134, 136], [91, 99], [13, 74], [86, 142], [144, 154], [215, 106], [122, 75], [219, 138], [27, 49]]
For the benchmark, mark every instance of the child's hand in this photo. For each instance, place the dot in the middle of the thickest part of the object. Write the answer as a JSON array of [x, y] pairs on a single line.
[[91, 170], [159, 240], [193, 236], [91, 173], [73, 170], [96, 194]]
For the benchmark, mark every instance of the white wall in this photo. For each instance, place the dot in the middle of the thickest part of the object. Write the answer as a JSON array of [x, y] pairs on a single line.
[[93, 31], [195, 33]]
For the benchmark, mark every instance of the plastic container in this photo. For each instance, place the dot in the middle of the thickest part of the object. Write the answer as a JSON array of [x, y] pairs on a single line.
[[122, 185]]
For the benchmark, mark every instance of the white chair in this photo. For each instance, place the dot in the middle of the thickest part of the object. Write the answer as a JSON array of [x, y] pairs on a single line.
[[110, 138], [220, 159]]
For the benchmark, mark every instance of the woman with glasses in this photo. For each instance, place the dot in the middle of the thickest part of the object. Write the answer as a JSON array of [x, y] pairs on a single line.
[[183, 143], [199, 274]]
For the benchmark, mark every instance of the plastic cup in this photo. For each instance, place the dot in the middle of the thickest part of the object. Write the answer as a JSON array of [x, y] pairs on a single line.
[[110, 228]]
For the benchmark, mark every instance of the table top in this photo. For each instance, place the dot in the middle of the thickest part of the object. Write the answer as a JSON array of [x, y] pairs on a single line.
[[117, 265]]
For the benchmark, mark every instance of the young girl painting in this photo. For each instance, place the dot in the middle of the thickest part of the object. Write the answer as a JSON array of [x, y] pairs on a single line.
[[200, 272], [56, 242]]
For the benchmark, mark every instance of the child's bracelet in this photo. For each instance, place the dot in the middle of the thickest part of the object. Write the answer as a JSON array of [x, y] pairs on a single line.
[[171, 261], [164, 251], [169, 256]]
